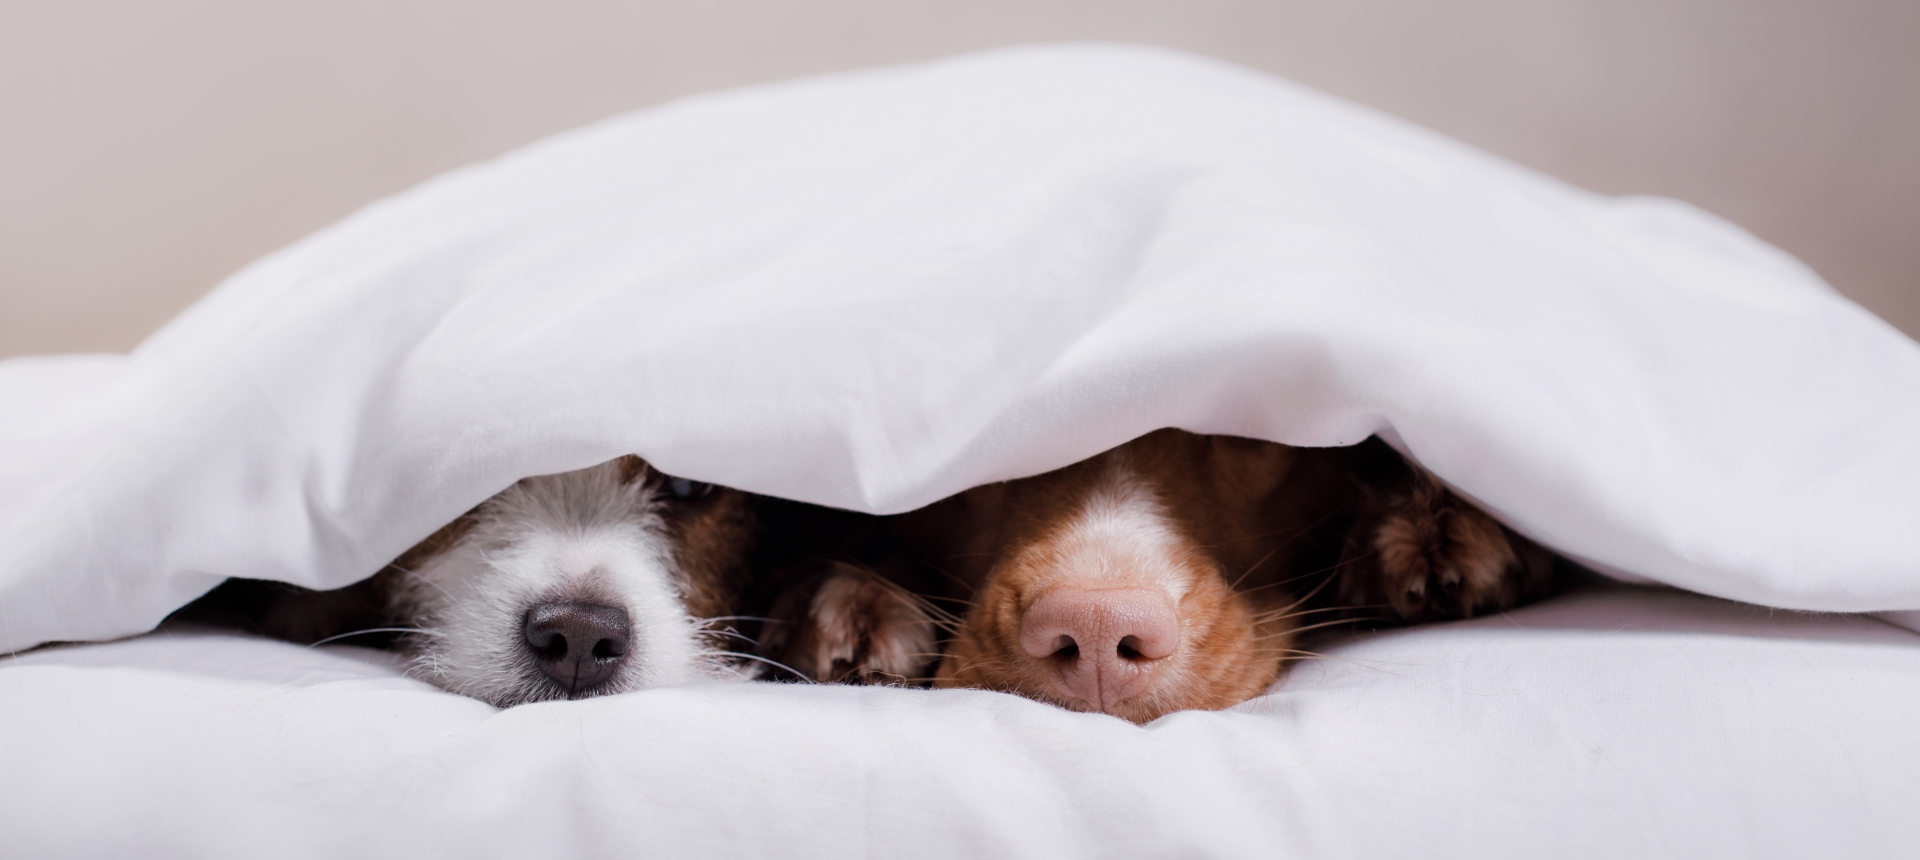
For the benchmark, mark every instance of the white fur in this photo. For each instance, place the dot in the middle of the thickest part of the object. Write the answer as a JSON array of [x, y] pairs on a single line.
[[1122, 536], [582, 535]]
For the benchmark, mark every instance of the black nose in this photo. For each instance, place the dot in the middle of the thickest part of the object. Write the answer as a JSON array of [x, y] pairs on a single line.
[[579, 645]]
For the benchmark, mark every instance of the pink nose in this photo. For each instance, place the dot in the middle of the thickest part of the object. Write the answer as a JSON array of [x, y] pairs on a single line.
[[1099, 644]]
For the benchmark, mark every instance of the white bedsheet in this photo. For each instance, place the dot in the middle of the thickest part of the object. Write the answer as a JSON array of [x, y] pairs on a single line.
[[878, 289], [1618, 722]]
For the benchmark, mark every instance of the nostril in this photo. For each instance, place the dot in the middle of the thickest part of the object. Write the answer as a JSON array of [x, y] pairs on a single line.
[[1065, 648], [552, 646], [1130, 648], [607, 649]]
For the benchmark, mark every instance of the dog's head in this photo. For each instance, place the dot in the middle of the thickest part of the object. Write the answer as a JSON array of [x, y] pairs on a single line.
[[578, 584], [1146, 580]]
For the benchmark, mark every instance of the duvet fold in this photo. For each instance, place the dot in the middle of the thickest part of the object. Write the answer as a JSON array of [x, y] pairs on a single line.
[[876, 289]]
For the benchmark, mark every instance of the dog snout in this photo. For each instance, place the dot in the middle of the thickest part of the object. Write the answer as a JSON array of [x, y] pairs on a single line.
[[578, 645], [1100, 645]]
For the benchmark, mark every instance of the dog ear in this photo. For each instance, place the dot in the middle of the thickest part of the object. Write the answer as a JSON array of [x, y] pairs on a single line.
[[632, 468]]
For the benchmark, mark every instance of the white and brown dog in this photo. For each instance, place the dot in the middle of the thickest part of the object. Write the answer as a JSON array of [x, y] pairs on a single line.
[[1174, 572], [601, 580]]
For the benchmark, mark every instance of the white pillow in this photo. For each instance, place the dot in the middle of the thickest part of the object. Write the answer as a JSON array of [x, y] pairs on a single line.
[[877, 289]]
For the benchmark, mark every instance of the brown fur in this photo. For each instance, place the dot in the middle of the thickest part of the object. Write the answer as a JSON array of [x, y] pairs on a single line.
[[711, 538], [1235, 527], [1258, 529]]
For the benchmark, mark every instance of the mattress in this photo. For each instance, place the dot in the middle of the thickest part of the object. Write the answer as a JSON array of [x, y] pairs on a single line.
[[1615, 721]]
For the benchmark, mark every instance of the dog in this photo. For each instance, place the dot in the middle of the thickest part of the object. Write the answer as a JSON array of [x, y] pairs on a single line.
[[1174, 572], [602, 580]]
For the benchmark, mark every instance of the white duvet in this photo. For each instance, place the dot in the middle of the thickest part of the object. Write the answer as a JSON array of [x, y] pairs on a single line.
[[874, 290]]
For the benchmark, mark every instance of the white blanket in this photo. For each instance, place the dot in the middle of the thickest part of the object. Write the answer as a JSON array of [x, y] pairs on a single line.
[[1628, 722], [874, 290]]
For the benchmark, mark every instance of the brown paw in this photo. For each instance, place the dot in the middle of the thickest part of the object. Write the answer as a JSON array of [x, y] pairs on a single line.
[[852, 626], [1425, 553]]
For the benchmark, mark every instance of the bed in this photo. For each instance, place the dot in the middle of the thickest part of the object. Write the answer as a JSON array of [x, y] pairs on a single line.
[[874, 290]]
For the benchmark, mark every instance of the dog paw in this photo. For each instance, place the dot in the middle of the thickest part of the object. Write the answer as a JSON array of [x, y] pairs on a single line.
[[1425, 553], [852, 626]]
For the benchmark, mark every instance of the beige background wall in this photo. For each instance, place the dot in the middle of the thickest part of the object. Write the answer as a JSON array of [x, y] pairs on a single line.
[[148, 149]]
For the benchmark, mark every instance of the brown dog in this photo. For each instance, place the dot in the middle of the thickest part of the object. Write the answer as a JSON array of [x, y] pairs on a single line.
[[1173, 572]]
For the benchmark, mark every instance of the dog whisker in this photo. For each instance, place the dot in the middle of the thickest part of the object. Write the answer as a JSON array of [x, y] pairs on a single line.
[[1282, 615], [1334, 623], [804, 678], [735, 634], [351, 633], [741, 618]]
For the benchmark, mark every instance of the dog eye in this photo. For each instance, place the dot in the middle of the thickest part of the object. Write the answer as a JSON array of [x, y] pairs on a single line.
[[681, 488]]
